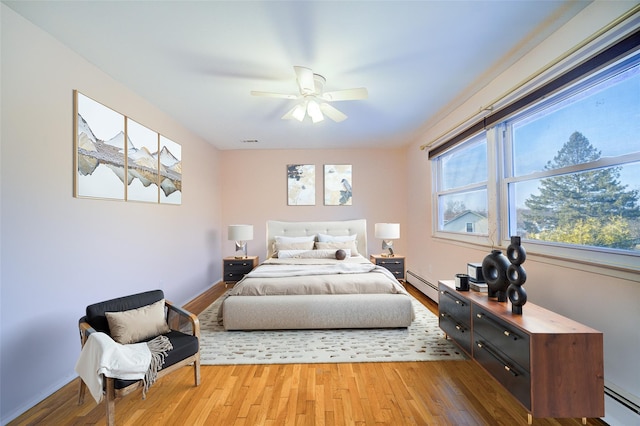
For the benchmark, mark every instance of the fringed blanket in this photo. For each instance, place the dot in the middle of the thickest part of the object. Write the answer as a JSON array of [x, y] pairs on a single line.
[[102, 356]]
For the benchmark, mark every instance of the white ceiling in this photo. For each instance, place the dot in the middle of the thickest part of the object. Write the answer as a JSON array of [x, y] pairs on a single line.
[[198, 60]]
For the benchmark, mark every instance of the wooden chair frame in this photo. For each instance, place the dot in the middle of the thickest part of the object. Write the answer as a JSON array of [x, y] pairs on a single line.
[[179, 322]]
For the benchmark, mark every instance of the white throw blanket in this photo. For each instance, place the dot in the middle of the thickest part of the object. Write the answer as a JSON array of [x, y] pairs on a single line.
[[102, 356]]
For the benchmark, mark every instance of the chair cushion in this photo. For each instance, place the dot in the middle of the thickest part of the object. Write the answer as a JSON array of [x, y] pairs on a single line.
[[136, 325], [96, 313], [184, 345]]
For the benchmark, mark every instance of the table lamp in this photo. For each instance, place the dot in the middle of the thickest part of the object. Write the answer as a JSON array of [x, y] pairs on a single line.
[[241, 234], [387, 232]]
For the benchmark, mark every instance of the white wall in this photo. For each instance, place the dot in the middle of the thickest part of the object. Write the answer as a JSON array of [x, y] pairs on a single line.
[[60, 253], [597, 299]]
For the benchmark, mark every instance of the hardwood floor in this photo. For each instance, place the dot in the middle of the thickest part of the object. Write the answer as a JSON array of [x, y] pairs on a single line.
[[402, 393]]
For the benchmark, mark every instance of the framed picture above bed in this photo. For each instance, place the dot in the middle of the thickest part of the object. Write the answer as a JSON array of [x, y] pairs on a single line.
[[337, 185], [301, 185]]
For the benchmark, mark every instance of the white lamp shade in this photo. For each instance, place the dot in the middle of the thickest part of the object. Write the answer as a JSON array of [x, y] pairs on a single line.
[[240, 232], [387, 231]]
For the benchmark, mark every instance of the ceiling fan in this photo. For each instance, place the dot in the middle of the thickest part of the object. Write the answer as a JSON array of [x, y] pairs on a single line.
[[315, 101]]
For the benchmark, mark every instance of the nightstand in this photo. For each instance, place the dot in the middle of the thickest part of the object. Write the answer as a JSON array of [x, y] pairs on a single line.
[[234, 269], [394, 264]]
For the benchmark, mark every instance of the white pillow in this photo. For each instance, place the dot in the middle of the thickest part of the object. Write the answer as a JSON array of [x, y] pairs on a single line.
[[324, 238], [290, 254], [287, 240], [345, 245], [300, 246], [309, 254]]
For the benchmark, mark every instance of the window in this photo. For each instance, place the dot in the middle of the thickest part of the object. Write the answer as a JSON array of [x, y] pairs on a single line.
[[461, 188], [562, 170], [573, 175]]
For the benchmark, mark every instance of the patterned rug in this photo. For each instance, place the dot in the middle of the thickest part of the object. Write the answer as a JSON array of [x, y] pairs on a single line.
[[423, 340]]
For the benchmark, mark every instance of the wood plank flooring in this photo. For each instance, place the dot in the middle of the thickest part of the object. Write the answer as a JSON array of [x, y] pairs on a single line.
[[401, 393]]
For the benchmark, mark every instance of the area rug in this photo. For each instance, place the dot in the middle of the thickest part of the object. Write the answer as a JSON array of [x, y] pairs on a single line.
[[423, 340]]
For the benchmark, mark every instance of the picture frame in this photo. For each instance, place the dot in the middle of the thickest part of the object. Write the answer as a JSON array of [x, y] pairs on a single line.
[[170, 159], [301, 184], [99, 150], [142, 166], [117, 158], [338, 182]]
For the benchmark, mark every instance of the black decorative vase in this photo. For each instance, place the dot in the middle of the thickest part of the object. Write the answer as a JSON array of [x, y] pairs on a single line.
[[516, 275], [494, 270]]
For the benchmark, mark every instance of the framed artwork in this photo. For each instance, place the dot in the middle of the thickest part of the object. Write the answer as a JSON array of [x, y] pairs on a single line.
[[99, 146], [301, 185], [170, 158], [142, 163], [118, 158], [337, 185]]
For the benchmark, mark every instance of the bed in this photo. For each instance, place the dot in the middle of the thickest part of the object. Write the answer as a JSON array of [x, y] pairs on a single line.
[[304, 286]]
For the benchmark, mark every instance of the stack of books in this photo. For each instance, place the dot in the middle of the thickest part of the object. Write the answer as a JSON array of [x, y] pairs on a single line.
[[478, 286]]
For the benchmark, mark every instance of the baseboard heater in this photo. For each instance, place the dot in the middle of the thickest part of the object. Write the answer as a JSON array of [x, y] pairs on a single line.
[[622, 397], [430, 290]]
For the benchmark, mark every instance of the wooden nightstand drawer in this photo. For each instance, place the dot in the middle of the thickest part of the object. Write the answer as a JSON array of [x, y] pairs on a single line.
[[233, 270]]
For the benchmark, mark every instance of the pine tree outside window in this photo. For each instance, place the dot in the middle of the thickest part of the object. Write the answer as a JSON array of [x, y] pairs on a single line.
[[574, 171]]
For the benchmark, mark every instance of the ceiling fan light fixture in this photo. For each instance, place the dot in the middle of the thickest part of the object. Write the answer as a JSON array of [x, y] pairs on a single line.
[[313, 109], [314, 99], [299, 112]]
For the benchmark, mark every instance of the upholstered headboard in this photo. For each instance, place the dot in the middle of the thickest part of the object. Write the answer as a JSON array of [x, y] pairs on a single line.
[[301, 229]]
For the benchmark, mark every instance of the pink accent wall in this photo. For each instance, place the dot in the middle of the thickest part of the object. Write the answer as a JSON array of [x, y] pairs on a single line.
[[255, 190]]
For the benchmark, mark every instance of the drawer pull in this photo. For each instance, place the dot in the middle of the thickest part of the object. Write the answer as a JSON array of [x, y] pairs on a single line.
[[497, 358], [459, 302], [496, 324]]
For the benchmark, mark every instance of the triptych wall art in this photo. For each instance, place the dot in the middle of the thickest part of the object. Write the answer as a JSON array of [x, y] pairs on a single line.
[[120, 159], [301, 185]]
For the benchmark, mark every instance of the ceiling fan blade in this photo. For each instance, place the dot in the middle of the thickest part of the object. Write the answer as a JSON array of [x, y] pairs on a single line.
[[305, 79], [332, 112], [273, 95], [346, 95]]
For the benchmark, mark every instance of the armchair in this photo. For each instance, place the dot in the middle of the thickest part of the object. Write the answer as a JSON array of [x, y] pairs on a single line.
[[184, 336]]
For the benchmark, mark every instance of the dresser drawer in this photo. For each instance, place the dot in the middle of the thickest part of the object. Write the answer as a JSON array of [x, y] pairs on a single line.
[[454, 319], [503, 337], [454, 306], [456, 330], [503, 369]]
